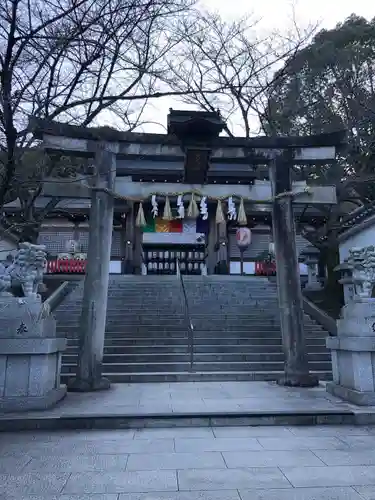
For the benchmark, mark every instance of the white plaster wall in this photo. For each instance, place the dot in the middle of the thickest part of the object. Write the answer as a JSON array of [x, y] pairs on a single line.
[[363, 238], [115, 267]]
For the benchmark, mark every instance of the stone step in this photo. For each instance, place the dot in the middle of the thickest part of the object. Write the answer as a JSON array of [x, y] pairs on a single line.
[[198, 349], [128, 316], [236, 330], [159, 282], [184, 325], [170, 310], [185, 319], [170, 357], [134, 293], [199, 366], [177, 298], [201, 341], [176, 303], [170, 314], [200, 310], [146, 319], [198, 323], [213, 335], [197, 376]]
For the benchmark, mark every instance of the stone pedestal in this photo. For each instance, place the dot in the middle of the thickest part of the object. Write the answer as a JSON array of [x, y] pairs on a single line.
[[30, 356], [310, 257], [312, 276], [353, 353], [346, 280]]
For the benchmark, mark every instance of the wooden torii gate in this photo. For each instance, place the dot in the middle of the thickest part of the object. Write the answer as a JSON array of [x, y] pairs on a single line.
[[278, 153]]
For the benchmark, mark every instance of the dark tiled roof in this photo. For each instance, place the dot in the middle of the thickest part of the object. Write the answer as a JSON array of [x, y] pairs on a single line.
[[41, 202], [357, 216]]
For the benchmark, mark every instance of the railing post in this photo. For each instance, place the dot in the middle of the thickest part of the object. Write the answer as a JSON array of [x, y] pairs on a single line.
[[187, 314]]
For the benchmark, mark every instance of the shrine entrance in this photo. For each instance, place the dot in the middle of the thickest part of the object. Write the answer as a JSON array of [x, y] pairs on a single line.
[[162, 259], [193, 167], [162, 250]]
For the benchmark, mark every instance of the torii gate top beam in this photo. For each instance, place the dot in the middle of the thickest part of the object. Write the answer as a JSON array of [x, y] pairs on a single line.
[[81, 141]]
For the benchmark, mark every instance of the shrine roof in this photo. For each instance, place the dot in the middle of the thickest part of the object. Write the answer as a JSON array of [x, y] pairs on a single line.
[[358, 218], [41, 202]]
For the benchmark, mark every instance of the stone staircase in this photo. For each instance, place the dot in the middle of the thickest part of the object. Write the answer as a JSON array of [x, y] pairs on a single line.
[[236, 330]]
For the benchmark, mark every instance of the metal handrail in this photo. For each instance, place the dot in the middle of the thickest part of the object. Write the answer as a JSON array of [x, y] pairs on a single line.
[[188, 316]]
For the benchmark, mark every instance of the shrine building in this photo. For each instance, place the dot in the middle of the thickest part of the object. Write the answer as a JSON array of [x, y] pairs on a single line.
[[149, 236]]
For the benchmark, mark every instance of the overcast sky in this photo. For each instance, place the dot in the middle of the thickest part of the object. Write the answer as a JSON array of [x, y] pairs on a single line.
[[273, 14], [277, 12]]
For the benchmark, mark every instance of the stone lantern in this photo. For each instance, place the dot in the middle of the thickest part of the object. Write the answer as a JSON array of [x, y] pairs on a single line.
[[310, 257], [353, 350], [346, 280]]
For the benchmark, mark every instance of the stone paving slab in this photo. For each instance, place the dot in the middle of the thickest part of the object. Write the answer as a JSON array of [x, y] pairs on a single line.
[[330, 476], [225, 479], [190, 397], [302, 494], [323, 462], [192, 404]]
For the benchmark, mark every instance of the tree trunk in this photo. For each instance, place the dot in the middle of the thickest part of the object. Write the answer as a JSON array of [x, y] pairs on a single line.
[[30, 233], [333, 289]]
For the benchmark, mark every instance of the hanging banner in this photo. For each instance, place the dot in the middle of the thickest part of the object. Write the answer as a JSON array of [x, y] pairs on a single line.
[[243, 238]]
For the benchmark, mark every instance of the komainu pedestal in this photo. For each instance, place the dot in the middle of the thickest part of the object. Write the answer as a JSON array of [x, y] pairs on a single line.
[[353, 350], [30, 352], [353, 354], [30, 356]]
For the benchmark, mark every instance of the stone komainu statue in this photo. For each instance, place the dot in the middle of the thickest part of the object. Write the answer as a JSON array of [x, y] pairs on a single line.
[[24, 276], [362, 262]]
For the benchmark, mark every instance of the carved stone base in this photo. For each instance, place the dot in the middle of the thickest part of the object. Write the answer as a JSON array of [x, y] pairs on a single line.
[[30, 356], [128, 267], [222, 267], [302, 380], [80, 385], [313, 287], [32, 403], [353, 353], [359, 398]]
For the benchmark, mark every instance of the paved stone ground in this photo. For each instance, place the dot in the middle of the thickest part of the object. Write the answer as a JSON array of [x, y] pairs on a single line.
[[222, 463], [195, 397]]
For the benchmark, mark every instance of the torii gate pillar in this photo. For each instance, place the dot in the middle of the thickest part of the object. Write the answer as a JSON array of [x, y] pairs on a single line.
[[94, 306], [296, 370]]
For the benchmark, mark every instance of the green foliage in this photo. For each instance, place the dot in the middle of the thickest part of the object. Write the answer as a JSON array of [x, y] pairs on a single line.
[[330, 85]]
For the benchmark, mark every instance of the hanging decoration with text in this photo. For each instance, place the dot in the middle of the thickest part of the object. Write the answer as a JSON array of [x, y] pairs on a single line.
[[197, 207]]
